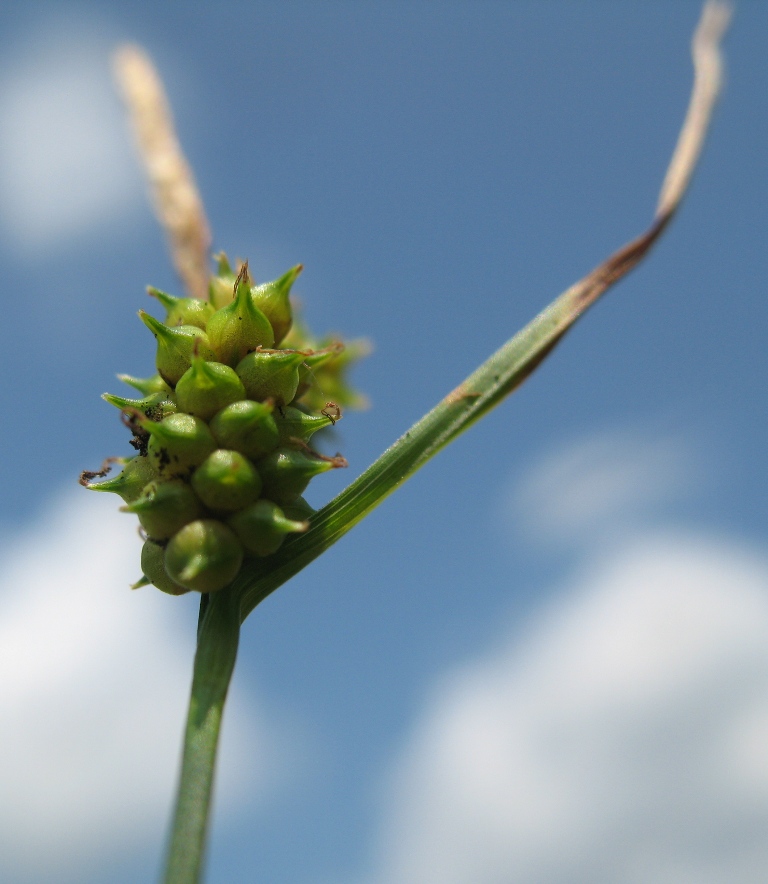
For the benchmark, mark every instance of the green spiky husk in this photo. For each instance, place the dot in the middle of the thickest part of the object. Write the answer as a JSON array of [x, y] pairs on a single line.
[[233, 455]]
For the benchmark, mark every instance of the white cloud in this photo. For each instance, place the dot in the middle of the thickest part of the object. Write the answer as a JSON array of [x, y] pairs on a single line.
[[66, 164], [621, 737], [93, 694], [601, 483], [623, 740]]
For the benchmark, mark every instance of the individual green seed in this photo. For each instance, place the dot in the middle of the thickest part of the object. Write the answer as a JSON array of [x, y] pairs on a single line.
[[205, 556], [165, 507], [176, 346], [226, 481], [239, 327], [271, 374], [272, 298], [183, 311], [262, 527], [153, 566], [246, 426], [285, 473], [178, 443], [294, 425], [137, 473], [155, 384], [207, 387]]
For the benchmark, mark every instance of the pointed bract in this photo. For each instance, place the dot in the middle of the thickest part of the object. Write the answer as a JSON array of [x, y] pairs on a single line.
[[285, 473], [294, 425], [155, 406], [136, 474], [316, 358], [147, 386]]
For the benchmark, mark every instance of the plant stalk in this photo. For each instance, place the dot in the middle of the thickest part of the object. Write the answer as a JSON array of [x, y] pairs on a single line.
[[217, 640]]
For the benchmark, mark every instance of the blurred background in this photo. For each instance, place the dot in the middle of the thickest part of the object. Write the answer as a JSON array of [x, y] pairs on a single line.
[[545, 659]]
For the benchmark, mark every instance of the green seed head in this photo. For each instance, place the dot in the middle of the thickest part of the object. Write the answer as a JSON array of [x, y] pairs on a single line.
[[271, 374], [239, 327], [272, 298], [223, 454], [285, 473], [205, 556], [165, 507], [153, 568], [183, 311], [178, 444], [136, 474], [262, 527], [226, 481], [176, 346], [247, 427], [207, 387]]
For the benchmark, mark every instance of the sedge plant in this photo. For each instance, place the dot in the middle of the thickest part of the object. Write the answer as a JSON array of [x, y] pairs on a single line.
[[222, 429]]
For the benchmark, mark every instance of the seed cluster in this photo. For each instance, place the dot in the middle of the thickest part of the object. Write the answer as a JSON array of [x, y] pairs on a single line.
[[222, 431]]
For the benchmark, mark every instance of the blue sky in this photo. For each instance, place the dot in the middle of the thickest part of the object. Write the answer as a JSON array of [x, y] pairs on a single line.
[[556, 635]]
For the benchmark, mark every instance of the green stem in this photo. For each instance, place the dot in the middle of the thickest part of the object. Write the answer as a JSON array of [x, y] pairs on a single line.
[[217, 640]]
